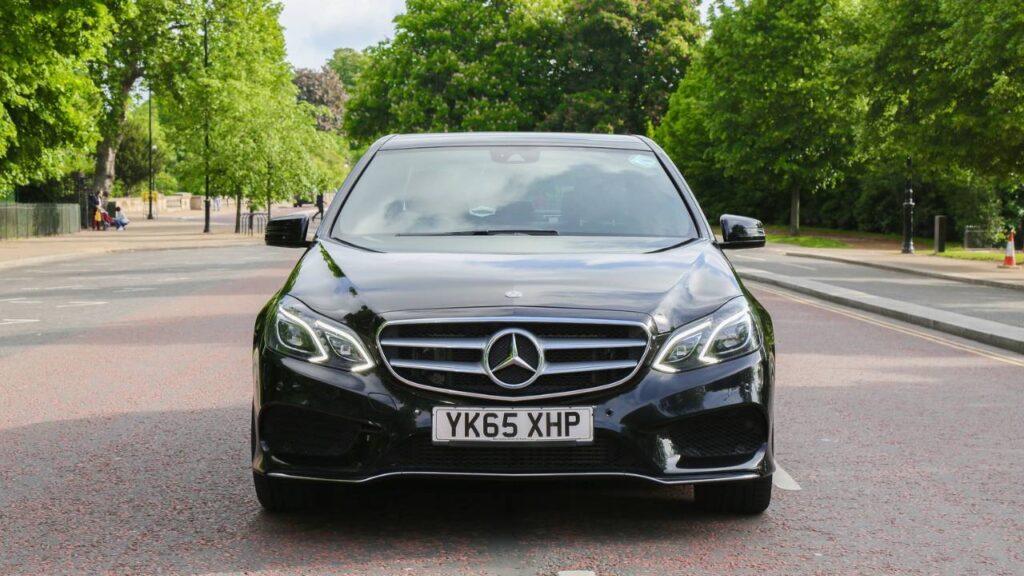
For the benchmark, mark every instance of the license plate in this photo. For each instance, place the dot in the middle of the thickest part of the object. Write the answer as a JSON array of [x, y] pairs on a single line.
[[513, 425]]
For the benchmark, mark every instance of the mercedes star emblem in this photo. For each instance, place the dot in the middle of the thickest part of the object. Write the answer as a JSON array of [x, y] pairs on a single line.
[[513, 358]]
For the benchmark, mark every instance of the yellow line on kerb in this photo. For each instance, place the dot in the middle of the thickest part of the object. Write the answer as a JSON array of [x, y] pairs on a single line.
[[894, 327]]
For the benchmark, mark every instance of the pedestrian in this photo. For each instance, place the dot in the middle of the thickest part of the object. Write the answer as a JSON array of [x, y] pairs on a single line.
[[94, 209], [216, 203], [120, 220], [97, 220]]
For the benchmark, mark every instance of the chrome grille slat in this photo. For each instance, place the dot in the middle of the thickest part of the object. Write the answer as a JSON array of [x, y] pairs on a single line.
[[576, 356], [460, 367], [575, 367], [447, 343], [586, 343]]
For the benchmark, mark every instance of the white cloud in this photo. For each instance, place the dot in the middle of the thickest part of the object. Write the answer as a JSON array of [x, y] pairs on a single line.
[[314, 28]]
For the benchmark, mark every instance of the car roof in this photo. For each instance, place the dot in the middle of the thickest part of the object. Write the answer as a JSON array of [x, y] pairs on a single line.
[[619, 141]]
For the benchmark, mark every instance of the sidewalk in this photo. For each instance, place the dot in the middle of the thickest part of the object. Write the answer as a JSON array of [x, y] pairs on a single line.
[[970, 299], [166, 233], [982, 273]]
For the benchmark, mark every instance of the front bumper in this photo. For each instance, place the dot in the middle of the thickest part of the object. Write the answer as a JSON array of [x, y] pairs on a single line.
[[706, 425]]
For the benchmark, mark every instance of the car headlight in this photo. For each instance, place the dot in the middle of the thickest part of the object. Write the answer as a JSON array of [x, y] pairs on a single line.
[[298, 331], [727, 333]]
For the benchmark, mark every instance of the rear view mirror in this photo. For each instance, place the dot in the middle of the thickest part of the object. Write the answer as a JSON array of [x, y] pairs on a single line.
[[741, 232], [288, 231]]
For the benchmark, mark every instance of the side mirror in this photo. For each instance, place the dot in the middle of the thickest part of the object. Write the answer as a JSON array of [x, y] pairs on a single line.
[[741, 232], [288, 231]]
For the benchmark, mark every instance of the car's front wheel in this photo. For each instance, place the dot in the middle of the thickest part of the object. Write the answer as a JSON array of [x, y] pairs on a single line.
[[741, 497], [278, 494]]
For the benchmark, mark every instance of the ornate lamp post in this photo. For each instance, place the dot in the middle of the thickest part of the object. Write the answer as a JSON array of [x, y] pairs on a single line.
[[908, 212]]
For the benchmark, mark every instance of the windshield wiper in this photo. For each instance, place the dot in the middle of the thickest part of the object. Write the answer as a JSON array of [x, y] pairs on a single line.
[[514, 232]]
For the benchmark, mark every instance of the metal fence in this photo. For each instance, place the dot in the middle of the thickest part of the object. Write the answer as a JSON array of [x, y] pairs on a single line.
[[26, 220], [254, 223]]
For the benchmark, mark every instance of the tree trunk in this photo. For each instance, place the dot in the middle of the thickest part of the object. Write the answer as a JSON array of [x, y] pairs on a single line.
[[106, 153], [106, 150], [238, 212], [794, 212]]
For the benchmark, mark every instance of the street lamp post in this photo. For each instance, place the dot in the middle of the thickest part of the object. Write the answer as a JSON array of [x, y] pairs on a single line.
[[150, 215], [908, 212], [206, 129]]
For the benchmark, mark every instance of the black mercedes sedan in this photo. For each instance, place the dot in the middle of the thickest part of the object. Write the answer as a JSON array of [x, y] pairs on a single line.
[[514, 306]]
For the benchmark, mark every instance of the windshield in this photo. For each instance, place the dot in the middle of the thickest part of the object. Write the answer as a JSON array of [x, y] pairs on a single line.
[[433, 198]]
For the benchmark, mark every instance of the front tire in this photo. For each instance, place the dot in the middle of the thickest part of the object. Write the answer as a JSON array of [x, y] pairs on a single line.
[[278, 494], [741, 497]]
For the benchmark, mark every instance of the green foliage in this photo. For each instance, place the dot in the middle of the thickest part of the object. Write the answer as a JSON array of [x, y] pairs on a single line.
[[348, 64], [777, 127], [47, 103], [263, 142], [133, 152], [595, 65], [832, 97]]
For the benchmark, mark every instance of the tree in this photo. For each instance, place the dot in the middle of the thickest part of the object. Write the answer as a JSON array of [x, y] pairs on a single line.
[[619, 61], [133, 150], [324, 90], [589, 65], [146, 31], [47, 103], [348, 64], [778, 125], [263, 142]]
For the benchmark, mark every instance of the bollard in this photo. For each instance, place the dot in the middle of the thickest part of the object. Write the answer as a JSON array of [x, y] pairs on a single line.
[[940, 234]]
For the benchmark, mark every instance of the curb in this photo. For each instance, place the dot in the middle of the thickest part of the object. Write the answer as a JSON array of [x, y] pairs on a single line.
[[36, 260], [979, 330], [927, 273]]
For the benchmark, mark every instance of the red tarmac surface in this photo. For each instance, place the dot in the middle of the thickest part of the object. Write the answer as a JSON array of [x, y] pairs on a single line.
[[125, 452]]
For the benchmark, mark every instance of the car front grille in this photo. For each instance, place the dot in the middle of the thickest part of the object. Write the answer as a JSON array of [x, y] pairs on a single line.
[[604, 454], [573, 356]]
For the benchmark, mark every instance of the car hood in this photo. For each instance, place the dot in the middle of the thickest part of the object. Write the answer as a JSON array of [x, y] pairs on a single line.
[[673, 286]]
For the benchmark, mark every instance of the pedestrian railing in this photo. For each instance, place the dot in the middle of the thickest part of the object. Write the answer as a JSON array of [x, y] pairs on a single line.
[[27, 220], [254, 223]]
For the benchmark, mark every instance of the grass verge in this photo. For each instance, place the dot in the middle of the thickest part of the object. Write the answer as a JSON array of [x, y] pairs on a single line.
[[982, 255], [807, 241]]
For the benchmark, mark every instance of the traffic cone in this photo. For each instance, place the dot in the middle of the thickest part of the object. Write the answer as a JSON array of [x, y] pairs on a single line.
[[1010, 259]]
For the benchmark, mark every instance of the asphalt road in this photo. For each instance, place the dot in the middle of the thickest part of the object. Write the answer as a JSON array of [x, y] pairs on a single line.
[[124, 438]]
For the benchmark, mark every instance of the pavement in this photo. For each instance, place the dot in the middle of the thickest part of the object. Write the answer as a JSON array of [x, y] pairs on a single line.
[[172, 230], [958, 297], [124, 431]]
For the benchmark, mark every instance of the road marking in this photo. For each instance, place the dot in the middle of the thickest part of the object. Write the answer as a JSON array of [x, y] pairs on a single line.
[[782, 480], [576, 573], [21, 300], [896, 328], [12, 321], [80, 303], [751, 258], [135, 289], [798, 266]]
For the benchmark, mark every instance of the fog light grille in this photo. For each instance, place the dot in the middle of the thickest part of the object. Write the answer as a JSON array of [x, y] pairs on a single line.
[[730, 432], [298, 435]]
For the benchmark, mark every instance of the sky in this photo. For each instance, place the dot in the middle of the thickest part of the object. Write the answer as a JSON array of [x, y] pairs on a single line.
[[314, 28]]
